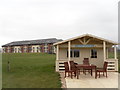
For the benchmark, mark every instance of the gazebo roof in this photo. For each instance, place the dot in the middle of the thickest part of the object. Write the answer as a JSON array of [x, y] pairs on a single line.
[[87, 35]]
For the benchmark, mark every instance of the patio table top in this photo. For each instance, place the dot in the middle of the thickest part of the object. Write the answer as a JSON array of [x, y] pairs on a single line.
[[90, 66]]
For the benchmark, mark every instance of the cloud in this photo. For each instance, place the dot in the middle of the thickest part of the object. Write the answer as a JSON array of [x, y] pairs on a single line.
[[35, 19]]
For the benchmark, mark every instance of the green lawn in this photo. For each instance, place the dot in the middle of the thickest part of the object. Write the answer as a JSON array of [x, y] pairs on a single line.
[[30, 70]]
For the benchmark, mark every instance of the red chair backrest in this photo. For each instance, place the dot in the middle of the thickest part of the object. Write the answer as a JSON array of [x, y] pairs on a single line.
[[86, 61], [72, 65], [105, 66], [66, 66]]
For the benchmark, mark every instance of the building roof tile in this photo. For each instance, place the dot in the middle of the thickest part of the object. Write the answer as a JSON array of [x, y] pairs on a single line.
[[33, 42]]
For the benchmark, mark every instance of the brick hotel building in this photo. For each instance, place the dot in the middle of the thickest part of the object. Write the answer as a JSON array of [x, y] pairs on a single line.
[[31, 46]]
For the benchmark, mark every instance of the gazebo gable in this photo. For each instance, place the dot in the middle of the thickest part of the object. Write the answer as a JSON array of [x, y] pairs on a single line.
[[87, 39]]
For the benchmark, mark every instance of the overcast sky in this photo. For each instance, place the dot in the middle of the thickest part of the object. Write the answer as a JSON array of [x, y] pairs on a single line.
[[62, 19]]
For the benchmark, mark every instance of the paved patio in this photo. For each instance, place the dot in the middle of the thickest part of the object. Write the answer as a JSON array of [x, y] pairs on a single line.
[[88, 81]]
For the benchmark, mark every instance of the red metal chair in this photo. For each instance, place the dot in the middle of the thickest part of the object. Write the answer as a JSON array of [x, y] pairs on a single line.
[[104, 69]]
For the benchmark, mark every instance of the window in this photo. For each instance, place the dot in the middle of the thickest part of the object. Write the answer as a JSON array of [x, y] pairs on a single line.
[[12, 50], [93, 53], [70, 53], [29, 48], [37, 48], [24, 49], [76, 53], [41, 47], [15, 50], [45, 47], [19, 49]]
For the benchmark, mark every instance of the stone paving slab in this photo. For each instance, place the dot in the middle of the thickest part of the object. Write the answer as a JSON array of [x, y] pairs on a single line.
[[88, 81]]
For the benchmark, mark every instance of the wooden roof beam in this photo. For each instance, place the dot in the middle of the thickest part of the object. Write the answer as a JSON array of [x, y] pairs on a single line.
[[87, 41], [80, 41]]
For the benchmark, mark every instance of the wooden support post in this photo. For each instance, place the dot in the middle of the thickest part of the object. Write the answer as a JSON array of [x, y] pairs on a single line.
[[107, 53], [69, 57], [115, 52], [104, 50], [57, 53], [57, 58], [69, 45]]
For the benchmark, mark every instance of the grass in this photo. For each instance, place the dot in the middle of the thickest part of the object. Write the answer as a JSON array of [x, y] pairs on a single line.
[[30, 70], [111, 55]]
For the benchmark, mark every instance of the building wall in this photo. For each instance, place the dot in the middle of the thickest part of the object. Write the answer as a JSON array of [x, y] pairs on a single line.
[[45, 48], [84, 53], [35, 48], [3, 49], [6, 49], [17, 49], [24, 49]]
